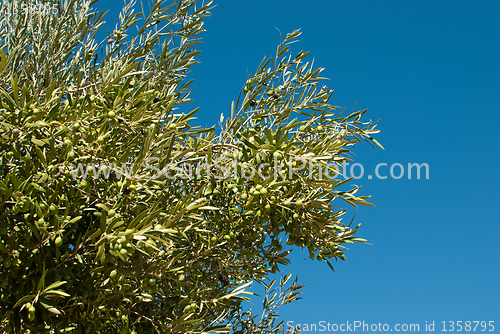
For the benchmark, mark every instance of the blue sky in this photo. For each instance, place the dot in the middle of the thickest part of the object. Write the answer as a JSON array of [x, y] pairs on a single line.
[[430, 71]]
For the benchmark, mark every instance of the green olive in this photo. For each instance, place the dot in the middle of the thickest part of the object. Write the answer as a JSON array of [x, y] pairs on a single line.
[[113, 273], [129, 233], [58, 241]]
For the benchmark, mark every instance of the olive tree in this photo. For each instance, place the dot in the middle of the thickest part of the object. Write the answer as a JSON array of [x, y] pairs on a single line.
[[117, 215]]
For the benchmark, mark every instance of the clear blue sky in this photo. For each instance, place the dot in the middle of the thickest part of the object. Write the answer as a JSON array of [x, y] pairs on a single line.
[[430, 71]]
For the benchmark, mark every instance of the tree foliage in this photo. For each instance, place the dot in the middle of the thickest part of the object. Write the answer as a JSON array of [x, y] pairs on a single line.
[[142, 244]]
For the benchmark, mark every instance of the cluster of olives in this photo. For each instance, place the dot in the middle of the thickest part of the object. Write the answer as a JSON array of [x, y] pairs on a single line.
[[122, 247]]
